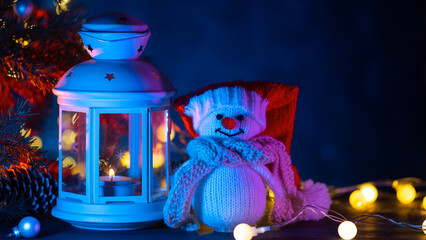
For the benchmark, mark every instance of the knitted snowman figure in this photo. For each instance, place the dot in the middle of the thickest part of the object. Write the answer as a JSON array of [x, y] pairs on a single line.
[[232, 160]]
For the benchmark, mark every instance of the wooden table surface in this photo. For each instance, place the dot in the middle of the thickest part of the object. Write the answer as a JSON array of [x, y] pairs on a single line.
[[53, 228]]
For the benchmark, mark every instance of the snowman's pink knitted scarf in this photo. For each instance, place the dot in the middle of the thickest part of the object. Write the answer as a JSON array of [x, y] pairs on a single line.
[[208, 153]]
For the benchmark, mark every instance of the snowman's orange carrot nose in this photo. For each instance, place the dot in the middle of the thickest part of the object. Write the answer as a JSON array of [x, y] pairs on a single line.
[[228, 123]]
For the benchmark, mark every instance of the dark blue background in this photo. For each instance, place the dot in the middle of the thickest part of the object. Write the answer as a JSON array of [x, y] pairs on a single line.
[[359, 65]]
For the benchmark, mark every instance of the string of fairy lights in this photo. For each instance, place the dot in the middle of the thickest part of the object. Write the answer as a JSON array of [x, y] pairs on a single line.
[[361, 197]]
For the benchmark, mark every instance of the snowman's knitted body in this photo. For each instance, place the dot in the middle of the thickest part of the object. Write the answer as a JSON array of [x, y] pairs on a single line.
[[221, 205], [225, 175]]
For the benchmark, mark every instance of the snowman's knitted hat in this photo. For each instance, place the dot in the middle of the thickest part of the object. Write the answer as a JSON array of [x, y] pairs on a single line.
[[280, 110], [227, 100]]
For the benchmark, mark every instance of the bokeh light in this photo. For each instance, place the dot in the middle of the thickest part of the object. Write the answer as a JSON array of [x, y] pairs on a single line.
[[424, 203], [68, 162], [163, 184], [370, 192], [158, 156], [125, 160], [357, 200], [66, 120], [38, 143], [271, 194], [25, 133], [68, 139], [162, 134], [405, 193]]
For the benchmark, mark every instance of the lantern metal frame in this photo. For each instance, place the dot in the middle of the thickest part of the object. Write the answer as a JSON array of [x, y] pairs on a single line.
[[114, 82], [91, 210]]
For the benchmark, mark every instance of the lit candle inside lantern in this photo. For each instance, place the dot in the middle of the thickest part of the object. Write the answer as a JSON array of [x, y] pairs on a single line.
[[111, 174], [113, 185]]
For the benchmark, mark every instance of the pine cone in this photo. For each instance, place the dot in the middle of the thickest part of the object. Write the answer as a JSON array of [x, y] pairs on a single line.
[[26, 191]]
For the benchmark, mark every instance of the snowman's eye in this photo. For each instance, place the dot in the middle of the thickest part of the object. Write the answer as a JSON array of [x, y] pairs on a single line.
[[219, 116], [240, 117]]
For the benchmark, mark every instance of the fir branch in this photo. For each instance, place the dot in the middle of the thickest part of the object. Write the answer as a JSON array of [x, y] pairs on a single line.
[[15, 148], [15, 209], [37, 74], [40, 48]]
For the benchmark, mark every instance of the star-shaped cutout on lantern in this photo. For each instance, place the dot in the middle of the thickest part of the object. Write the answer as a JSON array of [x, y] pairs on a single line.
[[89, 47], [69, 74], [140, 48], [155, 75], [110, 76], [124, 19]]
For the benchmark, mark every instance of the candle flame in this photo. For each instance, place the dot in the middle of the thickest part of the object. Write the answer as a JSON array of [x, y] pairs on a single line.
[[111, 172]]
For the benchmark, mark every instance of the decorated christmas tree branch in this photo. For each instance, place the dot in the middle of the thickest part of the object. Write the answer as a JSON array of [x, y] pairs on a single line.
[[37, 49], [16, 148], [20, 208]]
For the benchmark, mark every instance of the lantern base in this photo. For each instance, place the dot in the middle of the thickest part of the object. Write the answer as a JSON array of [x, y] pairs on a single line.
[[112, 226], [110, 216]]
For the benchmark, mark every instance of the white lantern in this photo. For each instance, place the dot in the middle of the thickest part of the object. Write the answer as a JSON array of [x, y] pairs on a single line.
[[114, 131]]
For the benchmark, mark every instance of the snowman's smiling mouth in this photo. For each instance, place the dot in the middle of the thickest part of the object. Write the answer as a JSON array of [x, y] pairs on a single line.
[[229, 135]]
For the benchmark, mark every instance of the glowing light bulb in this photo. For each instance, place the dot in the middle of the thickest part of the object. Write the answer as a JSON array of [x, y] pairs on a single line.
[[424, 226], [347, 230], [405, 193], [38, 143], [424, 203], [243, 231], [370, 192], [357, 200]]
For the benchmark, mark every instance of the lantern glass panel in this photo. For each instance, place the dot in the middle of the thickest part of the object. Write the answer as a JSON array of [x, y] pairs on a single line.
[[160, 138], [120, 161], [73, 136]]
